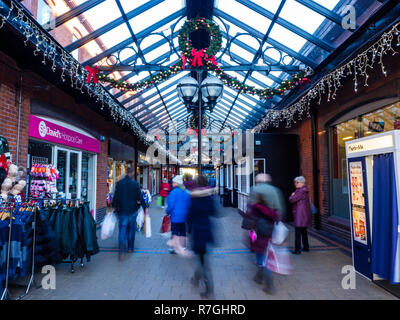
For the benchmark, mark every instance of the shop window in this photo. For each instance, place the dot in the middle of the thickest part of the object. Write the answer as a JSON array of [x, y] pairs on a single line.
[[259, 167], [381, 120], [244, 177]]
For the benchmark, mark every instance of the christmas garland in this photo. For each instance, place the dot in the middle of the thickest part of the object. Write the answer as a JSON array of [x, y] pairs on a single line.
[[193, 58], [194, 122]]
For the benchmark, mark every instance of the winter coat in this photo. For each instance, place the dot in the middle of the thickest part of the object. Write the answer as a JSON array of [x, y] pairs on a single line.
[[127, 196], [164, 190], [264, 219], [201, 208], [178, 204], [89, 234], [301, 207]]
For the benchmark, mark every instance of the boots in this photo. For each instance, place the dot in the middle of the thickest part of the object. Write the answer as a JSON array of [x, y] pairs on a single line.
[[209, 286], [269, 285], [259, 277]]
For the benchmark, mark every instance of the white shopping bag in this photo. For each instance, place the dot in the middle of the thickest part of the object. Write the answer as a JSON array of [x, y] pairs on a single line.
[[279, 233], [140, 218], [279, 260], [108, 226], [148, 226]]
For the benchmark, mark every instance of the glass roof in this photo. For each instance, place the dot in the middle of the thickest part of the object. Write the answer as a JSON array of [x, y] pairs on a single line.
[[293, 34]]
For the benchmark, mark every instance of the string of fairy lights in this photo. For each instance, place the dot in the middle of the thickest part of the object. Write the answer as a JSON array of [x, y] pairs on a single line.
[[329, 85]]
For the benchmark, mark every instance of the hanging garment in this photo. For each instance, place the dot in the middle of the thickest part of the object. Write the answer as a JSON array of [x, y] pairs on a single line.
[[89, 233], [385, 248]]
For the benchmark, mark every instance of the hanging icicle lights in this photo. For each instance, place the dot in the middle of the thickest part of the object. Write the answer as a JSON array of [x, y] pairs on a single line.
[[330, 83]]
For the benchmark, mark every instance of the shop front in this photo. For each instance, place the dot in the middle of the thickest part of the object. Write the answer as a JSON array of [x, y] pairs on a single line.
[[143, 172], [366, 121], [120, 156], [70, 151]]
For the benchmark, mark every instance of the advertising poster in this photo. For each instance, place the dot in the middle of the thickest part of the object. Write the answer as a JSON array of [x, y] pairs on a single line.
[[356, 184], [359, 225]]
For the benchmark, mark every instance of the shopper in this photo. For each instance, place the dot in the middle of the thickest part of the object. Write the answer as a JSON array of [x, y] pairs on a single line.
[[301, 214], [265, 208], [268, 195], [177, 209], [165, 188], [126, 202], [201, 208]]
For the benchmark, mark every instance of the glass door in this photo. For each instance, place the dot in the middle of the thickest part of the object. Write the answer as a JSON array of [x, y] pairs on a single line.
[[68, 163]]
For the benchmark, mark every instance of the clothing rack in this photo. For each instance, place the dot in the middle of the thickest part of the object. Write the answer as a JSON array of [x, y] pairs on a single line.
[[6, 292], [32, 277]]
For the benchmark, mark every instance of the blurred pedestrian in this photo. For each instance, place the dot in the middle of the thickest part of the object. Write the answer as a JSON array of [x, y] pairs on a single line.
[[189, 182], [266, 207], [126, 202], [178, 208], [165, 188], [267, 194], [201, 208], [212, 182], [301, 214]]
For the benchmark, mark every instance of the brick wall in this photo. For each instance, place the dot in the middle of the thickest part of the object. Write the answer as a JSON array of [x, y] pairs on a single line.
[[9, 97]]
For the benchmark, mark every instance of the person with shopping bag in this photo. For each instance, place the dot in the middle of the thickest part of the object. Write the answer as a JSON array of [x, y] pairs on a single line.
[[178, 208], [301, 213], [126, 202], [266, 206], [164, 191]]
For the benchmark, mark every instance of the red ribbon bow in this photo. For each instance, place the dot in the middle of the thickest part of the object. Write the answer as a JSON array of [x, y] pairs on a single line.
[[93, 72], [212, 59], [197, 55]]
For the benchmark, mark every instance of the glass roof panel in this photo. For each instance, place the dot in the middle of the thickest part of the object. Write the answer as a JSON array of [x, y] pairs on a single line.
[[301, 16], [270, 5], [129, 5], [329, 4], [236, 9], [161, 11]]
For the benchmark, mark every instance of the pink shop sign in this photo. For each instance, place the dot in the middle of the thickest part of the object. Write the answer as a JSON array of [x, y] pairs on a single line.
[[45, 130]]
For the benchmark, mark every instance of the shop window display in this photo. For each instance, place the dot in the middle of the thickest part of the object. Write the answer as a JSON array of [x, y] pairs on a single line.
[[381, 120]]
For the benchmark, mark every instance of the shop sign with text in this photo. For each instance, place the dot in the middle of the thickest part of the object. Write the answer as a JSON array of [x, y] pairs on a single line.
[[46, 130]]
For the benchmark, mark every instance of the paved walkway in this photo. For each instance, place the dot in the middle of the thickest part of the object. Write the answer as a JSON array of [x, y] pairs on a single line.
[[152, 273]]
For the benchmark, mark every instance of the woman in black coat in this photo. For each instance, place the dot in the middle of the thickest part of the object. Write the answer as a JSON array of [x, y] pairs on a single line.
[[202, 207]]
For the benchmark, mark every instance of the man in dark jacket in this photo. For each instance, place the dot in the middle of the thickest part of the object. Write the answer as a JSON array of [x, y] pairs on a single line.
[[127, 201]]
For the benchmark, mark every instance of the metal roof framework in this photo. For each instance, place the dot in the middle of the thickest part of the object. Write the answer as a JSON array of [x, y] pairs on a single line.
[[296, 29]]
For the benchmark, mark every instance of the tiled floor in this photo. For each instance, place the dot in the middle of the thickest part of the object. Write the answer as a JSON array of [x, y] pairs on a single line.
[[152, 273]]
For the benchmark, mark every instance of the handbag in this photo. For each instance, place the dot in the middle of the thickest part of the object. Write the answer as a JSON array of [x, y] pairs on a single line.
[[279, 233], [313, 208], [166, 224], [279, 260]]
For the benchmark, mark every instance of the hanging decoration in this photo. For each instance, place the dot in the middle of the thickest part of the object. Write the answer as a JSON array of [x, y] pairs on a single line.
[[357, 68], [58, 59], [193, 122], [205, 57]]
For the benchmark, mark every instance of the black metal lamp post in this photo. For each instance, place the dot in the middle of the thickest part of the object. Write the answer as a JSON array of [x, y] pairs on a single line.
[[207, 94]]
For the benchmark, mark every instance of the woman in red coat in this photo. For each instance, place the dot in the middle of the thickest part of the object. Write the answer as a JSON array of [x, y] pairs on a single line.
[[301, 213], [164, 191]]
